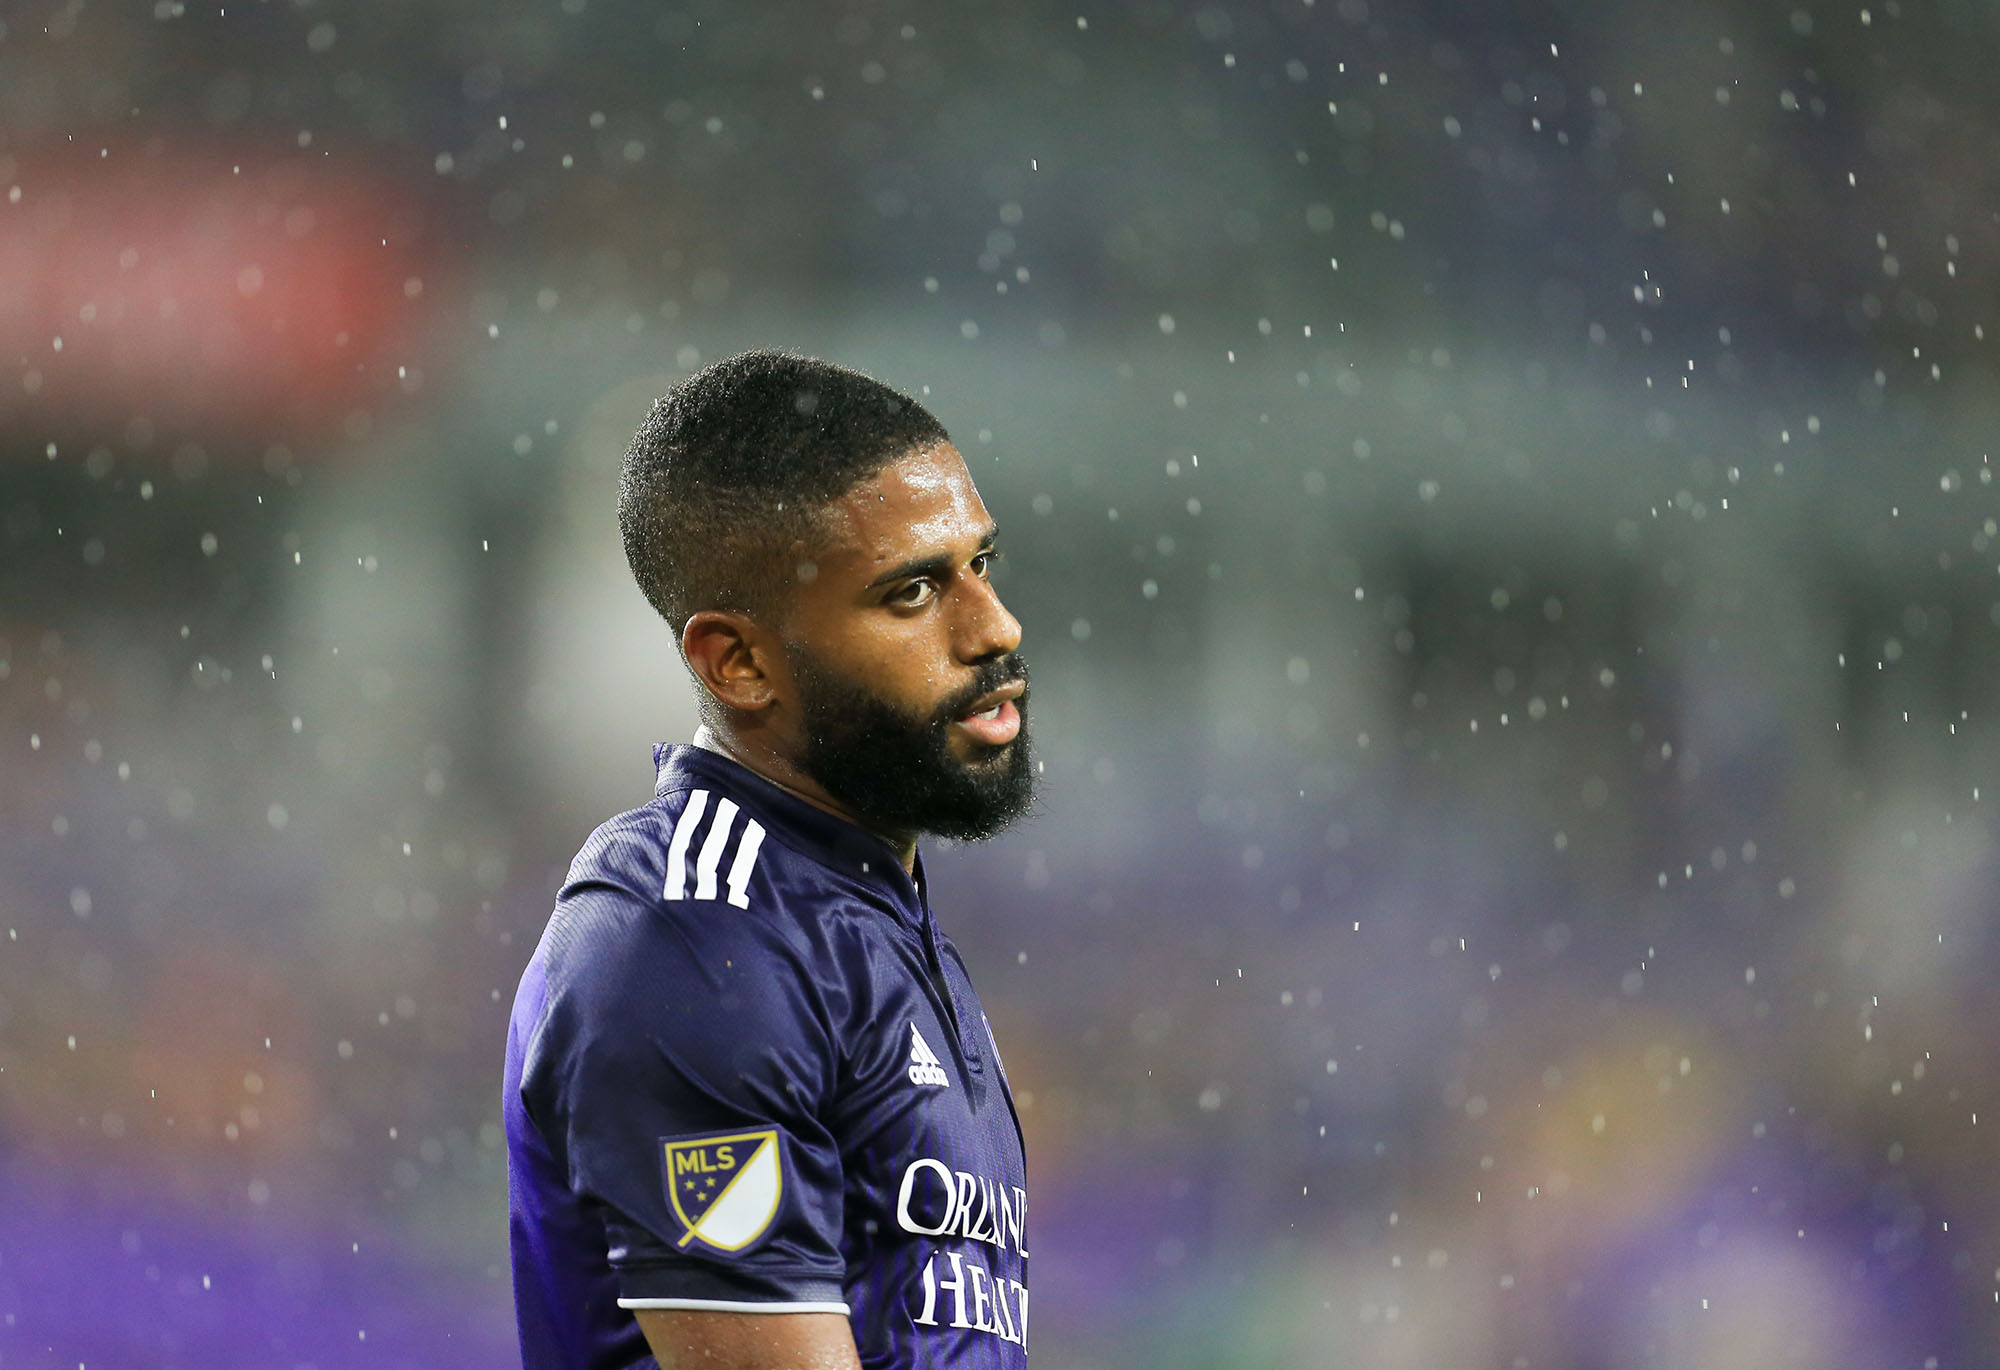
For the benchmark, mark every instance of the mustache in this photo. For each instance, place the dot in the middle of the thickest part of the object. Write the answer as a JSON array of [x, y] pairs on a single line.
[[992, 675]]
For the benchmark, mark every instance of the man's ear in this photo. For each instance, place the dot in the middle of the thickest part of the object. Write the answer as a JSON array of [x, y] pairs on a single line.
[[729, 655]]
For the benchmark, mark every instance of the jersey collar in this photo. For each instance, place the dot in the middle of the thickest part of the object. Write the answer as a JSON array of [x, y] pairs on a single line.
[[829, 839]]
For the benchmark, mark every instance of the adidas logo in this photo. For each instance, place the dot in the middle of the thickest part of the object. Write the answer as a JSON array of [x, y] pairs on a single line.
[[925, 1068]]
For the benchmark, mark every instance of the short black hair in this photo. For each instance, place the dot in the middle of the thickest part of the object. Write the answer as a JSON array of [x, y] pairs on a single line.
[[721, 488]]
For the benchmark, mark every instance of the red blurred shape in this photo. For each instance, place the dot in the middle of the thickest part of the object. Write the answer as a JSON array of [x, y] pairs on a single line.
[[280, 297]]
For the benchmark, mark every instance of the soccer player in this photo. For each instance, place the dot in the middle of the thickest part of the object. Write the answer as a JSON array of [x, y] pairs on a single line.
[[755, 1115]]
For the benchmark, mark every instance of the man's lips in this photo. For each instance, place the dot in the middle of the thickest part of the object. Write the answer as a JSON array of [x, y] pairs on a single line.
[[994, 719], [997, 726]]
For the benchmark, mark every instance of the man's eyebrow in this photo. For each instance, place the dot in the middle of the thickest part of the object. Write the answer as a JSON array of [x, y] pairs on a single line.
[[935, 566]]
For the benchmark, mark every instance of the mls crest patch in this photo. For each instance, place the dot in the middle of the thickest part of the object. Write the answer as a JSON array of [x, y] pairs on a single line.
[[725, 1187]]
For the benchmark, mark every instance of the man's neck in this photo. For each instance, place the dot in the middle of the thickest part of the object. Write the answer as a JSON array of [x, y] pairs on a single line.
[[794, 781]]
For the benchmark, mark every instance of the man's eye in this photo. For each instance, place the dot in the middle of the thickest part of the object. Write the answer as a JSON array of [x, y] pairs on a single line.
[[982, 565], [916, 593]]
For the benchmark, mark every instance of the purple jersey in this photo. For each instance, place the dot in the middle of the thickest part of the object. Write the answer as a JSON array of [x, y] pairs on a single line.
[[746, 1071]]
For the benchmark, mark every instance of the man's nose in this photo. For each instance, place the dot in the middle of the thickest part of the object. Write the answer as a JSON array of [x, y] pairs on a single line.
[[987, 629]]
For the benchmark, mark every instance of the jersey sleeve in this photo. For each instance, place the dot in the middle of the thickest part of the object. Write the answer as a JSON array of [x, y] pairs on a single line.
[[679, 1073]]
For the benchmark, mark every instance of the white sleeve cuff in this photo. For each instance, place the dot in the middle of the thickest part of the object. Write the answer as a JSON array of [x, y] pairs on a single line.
[[734, 1306]]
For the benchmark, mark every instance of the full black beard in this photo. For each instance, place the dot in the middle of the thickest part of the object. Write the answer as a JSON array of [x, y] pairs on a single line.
[[895, 771]]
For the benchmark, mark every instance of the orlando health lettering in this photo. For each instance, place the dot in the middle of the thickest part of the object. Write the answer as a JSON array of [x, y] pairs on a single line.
[[954, 1203]]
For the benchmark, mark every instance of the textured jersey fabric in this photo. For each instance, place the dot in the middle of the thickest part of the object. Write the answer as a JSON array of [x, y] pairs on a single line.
[[746, 1071]]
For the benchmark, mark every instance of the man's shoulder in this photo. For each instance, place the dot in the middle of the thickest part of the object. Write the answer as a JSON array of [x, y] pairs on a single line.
[[698, 867], [700, 844], [686, 909], [623, 851]]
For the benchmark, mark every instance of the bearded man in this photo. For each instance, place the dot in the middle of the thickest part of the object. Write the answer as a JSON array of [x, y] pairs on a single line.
[[755, 1115]]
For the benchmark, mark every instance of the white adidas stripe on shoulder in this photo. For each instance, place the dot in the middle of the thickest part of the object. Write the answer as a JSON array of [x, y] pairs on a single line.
[[711, 850], [677, 849], [745, 862], [707, 866]]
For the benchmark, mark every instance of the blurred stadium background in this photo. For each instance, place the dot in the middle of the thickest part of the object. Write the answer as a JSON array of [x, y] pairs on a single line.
[[1500, 498]]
